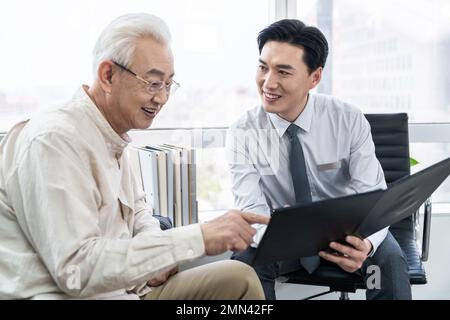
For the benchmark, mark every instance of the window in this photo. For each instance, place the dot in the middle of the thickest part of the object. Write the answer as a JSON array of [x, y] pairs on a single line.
[[46, 47], [386, 55], [390, 56], [427, 154]]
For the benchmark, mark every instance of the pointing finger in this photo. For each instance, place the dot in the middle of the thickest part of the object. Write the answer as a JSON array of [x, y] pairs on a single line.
[[252, 218]]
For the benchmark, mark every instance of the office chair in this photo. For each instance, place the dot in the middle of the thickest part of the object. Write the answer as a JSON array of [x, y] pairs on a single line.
[[390, 135]]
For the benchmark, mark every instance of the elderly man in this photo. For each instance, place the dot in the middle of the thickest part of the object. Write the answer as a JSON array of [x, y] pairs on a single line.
[[73, 222]]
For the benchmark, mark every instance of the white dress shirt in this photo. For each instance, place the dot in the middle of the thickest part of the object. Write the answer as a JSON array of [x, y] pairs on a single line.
[[338, 149], [73, 222]]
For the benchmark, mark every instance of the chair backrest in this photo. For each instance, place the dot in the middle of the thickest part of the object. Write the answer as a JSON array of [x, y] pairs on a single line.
[[390, 135], [391, 139]]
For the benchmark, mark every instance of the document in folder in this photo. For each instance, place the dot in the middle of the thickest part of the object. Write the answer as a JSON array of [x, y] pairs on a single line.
[[304, 230]]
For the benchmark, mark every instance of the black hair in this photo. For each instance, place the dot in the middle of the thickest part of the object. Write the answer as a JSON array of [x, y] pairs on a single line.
[[295, 32]]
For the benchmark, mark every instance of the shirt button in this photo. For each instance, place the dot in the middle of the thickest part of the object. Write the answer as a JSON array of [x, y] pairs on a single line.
[[190, 253], [149, 267]]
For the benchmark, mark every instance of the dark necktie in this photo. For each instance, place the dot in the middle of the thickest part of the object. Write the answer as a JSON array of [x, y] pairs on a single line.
[[302, 191]]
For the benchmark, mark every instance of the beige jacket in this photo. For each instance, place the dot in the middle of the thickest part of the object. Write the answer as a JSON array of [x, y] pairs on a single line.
[[73, 222]]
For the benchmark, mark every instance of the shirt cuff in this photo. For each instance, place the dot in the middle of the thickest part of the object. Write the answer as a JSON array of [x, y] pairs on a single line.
[[187, 242], [376, 239], [260, 230], [372, 250]]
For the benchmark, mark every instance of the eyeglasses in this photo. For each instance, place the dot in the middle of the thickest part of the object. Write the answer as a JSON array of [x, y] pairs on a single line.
[[153, 86]]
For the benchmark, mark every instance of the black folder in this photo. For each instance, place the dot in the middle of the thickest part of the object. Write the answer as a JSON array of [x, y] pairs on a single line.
[[304, 230]]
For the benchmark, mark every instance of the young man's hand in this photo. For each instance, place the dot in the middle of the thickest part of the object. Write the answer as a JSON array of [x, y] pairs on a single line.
[[349, 257]]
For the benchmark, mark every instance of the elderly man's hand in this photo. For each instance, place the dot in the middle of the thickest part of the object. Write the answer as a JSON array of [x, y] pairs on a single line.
[[230, 231], [349, 257], [160, 279]]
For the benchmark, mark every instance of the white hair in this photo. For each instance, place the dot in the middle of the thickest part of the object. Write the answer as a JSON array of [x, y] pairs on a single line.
[[118, 40]]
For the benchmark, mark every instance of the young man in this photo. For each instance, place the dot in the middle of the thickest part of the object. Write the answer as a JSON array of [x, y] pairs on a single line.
[[300, 147], [73, 223]]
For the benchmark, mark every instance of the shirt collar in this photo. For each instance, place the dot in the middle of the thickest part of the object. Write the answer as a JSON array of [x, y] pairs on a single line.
[[114, 141], [303, 120]]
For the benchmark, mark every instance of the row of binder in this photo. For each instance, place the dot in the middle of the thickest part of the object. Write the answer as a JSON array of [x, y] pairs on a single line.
[[167, 174]]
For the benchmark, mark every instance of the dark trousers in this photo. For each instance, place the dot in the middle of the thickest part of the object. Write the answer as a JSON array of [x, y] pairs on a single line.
[[394, 278]]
